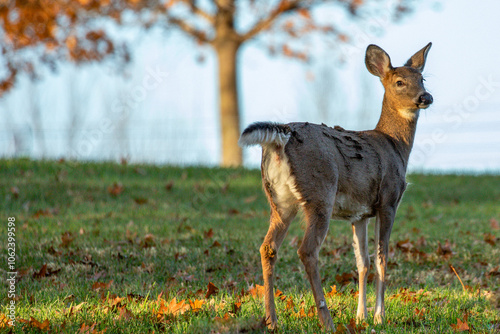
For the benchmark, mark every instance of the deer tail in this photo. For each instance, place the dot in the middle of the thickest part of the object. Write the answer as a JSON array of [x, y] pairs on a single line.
[[265, 134]]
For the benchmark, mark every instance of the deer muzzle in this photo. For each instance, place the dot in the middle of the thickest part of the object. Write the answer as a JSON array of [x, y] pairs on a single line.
[[424, 100]]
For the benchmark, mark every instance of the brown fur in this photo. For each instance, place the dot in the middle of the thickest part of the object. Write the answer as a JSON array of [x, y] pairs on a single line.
[[349, 175]]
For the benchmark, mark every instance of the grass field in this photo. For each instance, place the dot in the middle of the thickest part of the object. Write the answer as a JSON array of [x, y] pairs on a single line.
[[112, 248]]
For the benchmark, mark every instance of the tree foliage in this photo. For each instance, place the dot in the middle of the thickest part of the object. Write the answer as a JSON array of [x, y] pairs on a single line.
[[44, 32]]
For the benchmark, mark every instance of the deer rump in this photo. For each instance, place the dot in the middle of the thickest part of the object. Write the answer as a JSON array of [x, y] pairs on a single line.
[[297, 158]]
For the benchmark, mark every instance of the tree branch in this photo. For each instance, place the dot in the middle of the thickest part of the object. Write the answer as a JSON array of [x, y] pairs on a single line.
[[198, 11], [189, 29], [283, 7]]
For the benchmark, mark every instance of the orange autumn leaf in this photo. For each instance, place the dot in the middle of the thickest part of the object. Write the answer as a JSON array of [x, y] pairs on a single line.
[[420, 313], [4, 321], [257, 291], [333, 292], [196, 304], [44, 326], [177, 308], [85, 329], [280, 295]]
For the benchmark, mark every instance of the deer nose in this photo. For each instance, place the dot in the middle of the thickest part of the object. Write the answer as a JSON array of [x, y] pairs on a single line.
[[425, 98]]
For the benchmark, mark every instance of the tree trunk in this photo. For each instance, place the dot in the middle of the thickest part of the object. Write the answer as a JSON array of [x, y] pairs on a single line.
[[228, 104]]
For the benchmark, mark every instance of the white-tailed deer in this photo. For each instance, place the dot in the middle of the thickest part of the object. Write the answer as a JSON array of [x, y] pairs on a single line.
[[341, 174]]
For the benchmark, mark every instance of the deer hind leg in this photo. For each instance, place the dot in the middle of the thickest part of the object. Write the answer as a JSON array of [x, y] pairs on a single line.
[[317, 217], [281, 218], [360, 244], [383, 227]]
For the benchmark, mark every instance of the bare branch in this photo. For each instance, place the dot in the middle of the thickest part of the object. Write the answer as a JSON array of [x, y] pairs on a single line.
[[198, 11], [189, 29], [283, 7]]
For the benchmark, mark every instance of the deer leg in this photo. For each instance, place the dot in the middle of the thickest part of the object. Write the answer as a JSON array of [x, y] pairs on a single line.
[[360, 244], [383, 227], [278, 228], [317, 227]]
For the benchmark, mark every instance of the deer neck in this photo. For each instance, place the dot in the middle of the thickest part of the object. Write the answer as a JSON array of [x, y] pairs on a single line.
[[400, 126]]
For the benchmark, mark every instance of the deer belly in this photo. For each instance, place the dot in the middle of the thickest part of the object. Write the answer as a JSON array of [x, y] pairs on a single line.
[[347, 208]]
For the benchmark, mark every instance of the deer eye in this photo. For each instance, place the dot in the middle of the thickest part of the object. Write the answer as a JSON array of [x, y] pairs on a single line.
[[400, 83]]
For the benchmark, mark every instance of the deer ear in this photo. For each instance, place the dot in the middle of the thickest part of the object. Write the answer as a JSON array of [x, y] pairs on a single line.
[[417, 61], [377, 61]]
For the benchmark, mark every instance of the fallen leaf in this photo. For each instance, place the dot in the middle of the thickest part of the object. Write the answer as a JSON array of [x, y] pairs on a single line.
[[178, 307], [148, 241], [354, 328], [215, 244], [278, 294], [445, 250], [344, 279], [420, 313], [116, 189], [257, 291], [236, 308], [140, 200], [124, 313], [196, 304], [44, 326], [66, 239], [208, 234], [101, 285], [405, 246], [333, 292], [44, 213], [460, 326], [41, 273], [211, 290], [4, 321], [85, 329], [169, 186], [490, 239], [233, 212]]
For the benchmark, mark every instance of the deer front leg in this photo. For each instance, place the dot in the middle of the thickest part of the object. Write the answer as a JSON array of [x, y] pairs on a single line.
[[360, 244], [278, 228], [383, 228], [317, 227]]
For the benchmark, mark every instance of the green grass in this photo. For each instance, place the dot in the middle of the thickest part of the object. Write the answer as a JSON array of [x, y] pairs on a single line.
[[152, 241]]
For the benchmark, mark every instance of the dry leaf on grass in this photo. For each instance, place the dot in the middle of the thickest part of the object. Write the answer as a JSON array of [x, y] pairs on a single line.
[[256, 291], [211, 290], [461, 326]]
